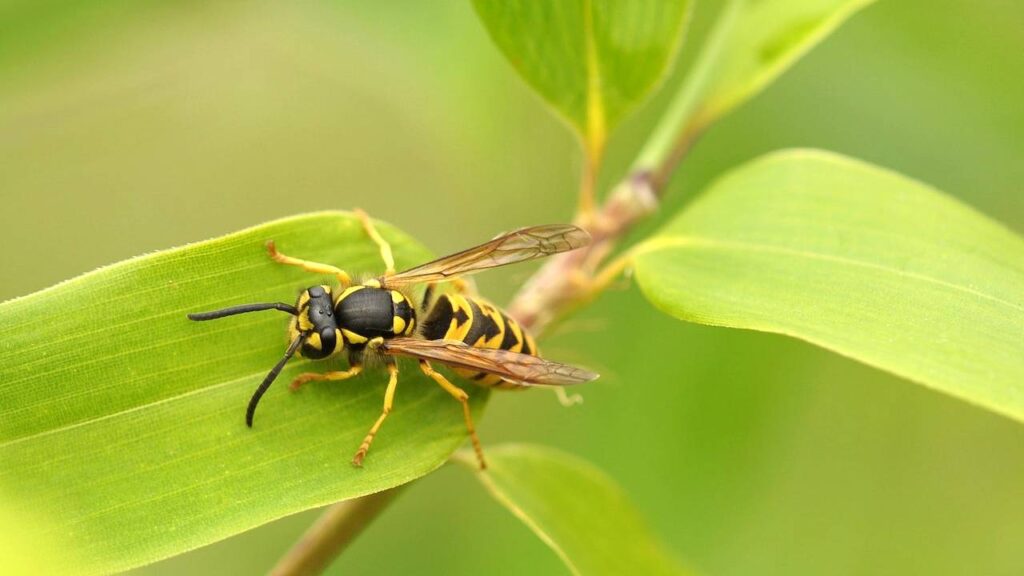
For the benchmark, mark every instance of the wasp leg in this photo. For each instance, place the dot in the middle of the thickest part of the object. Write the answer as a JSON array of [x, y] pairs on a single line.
[[385, 248], [389, 397], [463, 286], [338, 375], [314, 267], [462, 397], [566, 399]]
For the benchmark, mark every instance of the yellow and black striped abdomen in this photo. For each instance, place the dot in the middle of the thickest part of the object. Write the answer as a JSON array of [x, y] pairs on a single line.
[[481, 325]]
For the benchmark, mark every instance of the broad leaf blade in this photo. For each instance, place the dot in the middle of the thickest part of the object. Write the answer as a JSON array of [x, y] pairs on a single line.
[[751, 44], [592, 60], [576, 509], [122, 422], [767, 37], [21, 553], [858, 260]]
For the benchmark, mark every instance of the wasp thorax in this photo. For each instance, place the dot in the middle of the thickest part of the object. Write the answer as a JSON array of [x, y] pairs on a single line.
[[367, 311], [317, 322]]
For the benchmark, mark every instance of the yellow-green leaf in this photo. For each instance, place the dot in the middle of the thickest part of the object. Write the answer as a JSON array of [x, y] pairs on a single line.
[[122, 422], [574, 508], [592, 60], [856, 259], [21, 552], [753, 42]]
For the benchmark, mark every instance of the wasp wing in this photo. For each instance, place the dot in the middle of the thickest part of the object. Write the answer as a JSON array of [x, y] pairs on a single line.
[[517, 246], [511, 366]]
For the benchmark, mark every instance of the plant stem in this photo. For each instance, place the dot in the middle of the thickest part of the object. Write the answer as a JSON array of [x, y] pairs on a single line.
[[570, 278], [332, 533], [566, 281], [588, 185], [687, 116]]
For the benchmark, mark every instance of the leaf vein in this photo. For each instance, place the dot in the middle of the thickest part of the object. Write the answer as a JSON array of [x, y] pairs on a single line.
[[664, 242]]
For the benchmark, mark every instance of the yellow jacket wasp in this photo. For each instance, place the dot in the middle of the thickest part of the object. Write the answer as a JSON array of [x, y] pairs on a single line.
[[474, 337]]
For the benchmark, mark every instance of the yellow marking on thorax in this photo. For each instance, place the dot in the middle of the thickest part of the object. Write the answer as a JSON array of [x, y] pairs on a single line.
[[353, 337], [348, 292], [398, 324], [373, 283], [397, 296]]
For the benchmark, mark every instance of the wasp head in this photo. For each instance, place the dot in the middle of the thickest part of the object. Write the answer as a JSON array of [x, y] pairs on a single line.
[[316, 321]]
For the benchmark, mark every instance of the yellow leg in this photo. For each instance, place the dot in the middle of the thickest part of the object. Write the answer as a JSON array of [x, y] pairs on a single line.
[[314, 267], [461, 396], [566, 399], [463, 286], [389, 397], [339, 375], [385, 248]]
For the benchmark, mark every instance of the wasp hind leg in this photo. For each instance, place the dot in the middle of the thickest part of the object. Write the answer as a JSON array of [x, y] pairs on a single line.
[[567, 400], [463, 286], [389, 397], [315, 267], [301, 379], [460, 395], [382, 244]]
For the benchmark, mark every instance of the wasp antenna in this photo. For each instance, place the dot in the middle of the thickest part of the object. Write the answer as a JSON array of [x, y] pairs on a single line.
[[200, 316], [269, 379]]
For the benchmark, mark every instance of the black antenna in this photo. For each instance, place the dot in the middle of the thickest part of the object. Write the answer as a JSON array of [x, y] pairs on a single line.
[[200, 316], [251, 410]]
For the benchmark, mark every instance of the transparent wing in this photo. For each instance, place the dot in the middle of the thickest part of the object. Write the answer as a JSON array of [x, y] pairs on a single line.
[[512, 366], [517, 246]]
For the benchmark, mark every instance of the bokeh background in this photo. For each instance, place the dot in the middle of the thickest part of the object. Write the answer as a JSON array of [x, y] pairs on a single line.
[[131, 126]]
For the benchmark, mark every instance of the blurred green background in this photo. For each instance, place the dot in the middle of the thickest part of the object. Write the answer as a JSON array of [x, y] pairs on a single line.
[[127, 127]]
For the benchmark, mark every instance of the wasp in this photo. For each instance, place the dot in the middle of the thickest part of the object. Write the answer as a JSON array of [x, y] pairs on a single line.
[[379, 316]]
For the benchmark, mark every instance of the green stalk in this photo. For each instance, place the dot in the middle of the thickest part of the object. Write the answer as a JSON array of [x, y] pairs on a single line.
[[554, 289]]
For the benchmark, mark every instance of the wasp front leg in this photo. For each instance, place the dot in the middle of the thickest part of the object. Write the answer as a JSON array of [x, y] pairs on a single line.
[[315, 267], [301, 379]]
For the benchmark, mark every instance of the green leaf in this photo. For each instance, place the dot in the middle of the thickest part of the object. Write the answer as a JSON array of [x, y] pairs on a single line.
[[752, 44], [122, 422], [20, 552], [574, 508], [856, 259], [765, 38], [592, 60]]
